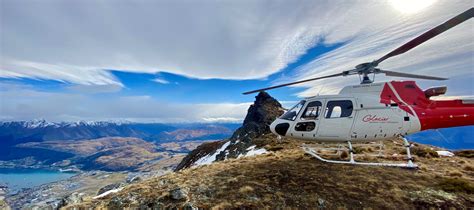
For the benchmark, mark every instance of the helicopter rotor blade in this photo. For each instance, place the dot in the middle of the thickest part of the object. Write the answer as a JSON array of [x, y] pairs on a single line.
[[293, 83], [417, 76], [429, 34]]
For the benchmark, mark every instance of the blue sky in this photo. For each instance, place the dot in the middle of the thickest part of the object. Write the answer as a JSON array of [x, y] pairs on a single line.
[[181, 61], [178, 88]]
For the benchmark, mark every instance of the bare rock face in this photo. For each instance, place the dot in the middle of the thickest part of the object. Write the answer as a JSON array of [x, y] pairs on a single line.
[[260, 115]]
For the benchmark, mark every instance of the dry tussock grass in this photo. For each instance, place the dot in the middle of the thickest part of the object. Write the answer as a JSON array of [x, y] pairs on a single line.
[[289, 178]]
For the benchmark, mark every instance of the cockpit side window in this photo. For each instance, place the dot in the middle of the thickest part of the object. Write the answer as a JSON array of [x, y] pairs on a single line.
[[293, 112], [338, 109], [312, 110]]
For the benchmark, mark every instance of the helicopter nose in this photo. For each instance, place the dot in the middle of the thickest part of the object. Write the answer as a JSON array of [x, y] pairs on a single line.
[[279, 127]]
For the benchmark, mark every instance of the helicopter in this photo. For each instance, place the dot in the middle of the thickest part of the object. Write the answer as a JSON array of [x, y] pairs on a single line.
[[375, 111]]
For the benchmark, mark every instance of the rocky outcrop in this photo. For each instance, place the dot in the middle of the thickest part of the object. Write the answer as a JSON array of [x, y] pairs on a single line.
[[260, 115], [73, 198], [110, 187], [178, 194], [200, 152]]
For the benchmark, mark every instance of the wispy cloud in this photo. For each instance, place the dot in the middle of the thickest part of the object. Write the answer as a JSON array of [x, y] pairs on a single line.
[[222, 119], [159, 80], [448, 55], [25, 103], [75, 41]]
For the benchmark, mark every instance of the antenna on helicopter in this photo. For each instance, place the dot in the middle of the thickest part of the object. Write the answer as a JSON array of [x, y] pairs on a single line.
[[364, 69]]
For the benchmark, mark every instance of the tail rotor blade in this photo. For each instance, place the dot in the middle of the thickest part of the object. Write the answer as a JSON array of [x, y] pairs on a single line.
[[429, 34], [400, 74], [293, 83]]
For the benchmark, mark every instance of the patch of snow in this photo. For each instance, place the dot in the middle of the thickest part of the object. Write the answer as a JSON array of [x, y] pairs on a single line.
[[208, 159], [251, 151], [107, 193], [251, 147], [256, 152], [445, 153], [36, 123]]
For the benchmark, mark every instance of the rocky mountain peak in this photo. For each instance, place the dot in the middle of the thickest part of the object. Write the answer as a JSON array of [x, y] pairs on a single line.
[[260, 115], [263, 110]]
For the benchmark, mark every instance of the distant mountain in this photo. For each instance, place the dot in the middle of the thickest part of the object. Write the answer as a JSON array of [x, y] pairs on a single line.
[[18, 132], [41, 130]]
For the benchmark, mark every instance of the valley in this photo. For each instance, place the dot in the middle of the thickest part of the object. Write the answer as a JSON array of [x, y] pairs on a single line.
[[113, 151]]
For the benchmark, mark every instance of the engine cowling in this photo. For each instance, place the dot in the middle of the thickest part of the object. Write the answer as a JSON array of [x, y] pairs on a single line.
[[435, 91]]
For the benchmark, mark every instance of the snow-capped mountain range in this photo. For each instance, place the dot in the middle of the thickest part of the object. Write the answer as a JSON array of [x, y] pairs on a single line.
[[42, 130], [41, 123]]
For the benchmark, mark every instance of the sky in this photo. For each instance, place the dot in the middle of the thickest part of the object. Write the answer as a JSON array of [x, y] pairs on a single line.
[[189, 61]]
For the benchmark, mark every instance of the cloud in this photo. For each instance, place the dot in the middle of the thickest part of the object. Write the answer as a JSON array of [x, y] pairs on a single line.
[[447, 55], [75, 41], [12, 68], [222, 119], [159, 80], [26, 103]]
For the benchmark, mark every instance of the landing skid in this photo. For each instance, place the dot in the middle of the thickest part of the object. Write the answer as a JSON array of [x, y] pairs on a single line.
[[409, 163]]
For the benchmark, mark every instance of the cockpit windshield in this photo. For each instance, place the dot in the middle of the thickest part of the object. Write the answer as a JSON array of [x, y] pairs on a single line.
[[293, 112]]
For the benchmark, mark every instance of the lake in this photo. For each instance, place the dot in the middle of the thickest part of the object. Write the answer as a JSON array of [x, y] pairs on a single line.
[[16, 179]]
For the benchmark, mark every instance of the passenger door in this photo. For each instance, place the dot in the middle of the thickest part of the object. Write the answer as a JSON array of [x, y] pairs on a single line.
[[336, 123], [307, 125]]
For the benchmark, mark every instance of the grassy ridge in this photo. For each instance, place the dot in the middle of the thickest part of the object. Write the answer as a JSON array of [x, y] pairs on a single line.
[[286, 177]]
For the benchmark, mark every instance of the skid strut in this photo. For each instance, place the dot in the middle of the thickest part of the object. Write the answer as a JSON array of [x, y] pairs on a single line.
[[409, 163]]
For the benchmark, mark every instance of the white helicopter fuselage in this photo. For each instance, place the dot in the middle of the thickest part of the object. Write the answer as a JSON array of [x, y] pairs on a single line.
[[368, 112]]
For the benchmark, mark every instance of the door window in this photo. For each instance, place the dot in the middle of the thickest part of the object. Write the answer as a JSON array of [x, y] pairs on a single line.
[[305, 126], [338, 109], [312, 110]]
